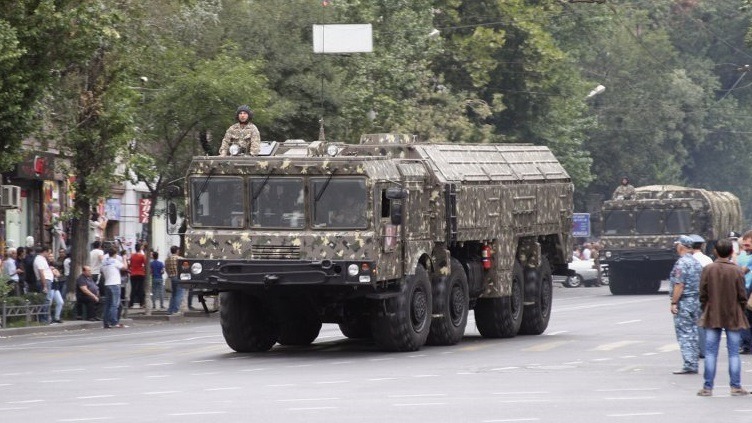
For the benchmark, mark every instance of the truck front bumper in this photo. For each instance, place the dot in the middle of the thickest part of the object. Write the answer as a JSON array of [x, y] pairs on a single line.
[[234, 274]]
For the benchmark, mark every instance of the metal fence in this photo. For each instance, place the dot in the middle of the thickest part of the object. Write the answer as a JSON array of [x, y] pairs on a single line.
[[30, 312]]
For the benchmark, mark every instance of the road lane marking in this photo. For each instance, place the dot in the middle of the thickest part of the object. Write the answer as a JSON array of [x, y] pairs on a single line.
[[628, 398], [416, 395], [337, 363], [498, 369], [105, 404], [86, 419], [311, 408], [14, 408], [229, 388], [160, 364], [68, 370], [306, 399], [330, 382], [522, 393], [530, 419], [423, 404], [198, 413], [669, 348], [157, 376], [626, 322], [160, 392], [282, 385], [202, 361], [25, 401], [258, 369], [420, 376], [614, 345], [626, 389], [546, 346], [556, 333], [115, 367], [56, 381], [95, 396], [378, 379], [107, 379], [635, 414], [205, 374]]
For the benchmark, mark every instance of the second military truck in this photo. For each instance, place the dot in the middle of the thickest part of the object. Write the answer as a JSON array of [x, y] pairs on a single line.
[[391, 239], [639, 232]]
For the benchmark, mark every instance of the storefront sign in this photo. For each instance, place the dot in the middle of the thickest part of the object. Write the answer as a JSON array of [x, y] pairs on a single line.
[[144, 208]]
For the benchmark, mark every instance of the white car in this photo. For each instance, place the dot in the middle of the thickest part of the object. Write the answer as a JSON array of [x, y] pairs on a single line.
[[585, 274]]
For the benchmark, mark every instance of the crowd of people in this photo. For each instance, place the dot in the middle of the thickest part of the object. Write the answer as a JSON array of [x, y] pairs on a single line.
[[101, 288], [709, 297]]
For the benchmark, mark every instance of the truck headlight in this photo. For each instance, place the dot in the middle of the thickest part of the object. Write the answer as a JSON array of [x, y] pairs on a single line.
[[196, 268], [608, 254], [332, 150], [353, 270], [234, 150]]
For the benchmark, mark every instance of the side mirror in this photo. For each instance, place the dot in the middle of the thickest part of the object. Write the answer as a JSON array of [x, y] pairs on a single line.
[[396, 213], [396, 193]]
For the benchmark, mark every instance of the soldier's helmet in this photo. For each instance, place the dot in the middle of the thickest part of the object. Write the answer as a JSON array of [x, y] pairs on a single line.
[[244, 108]]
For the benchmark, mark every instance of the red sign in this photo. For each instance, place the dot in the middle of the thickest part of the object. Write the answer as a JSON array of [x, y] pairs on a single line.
[[144, 207]]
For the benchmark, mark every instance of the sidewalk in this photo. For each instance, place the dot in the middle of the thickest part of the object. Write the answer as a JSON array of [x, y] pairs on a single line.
[[132, 317]]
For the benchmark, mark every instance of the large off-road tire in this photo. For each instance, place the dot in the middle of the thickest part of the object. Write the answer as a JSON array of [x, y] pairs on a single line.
[[248, 324], [502, 317], [356, 328], [402, 323], [536, 315], [451, 304], [299, 324], [619, 281]]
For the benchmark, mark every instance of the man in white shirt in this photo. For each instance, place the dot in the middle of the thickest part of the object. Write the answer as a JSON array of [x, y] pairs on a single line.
[[10, 269], [96, 257], [110, 271], [704, 261], [46, 276]]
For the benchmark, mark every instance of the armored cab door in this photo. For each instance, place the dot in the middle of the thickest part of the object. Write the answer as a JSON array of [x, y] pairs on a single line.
[[416, 214]]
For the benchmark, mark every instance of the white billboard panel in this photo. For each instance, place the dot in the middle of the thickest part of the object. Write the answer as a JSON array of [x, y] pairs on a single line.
[[342, 38]]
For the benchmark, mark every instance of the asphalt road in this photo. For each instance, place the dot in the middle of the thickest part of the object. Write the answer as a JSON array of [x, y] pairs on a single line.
[[602, 359]]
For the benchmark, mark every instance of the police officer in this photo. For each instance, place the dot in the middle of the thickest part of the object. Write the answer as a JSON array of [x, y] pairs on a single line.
[[685, 303], [243, 133]]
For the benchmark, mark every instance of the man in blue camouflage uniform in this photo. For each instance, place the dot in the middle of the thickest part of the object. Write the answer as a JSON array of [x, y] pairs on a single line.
[[685, 303]]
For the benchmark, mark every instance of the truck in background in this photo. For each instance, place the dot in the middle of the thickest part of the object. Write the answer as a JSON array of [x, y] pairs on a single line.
[[638, 233]]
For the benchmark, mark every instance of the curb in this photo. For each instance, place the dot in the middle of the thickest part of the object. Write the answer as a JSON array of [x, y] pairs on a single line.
[[76, 325]]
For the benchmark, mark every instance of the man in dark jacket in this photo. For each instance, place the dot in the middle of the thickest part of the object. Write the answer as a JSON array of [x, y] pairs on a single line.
[[723, 299]]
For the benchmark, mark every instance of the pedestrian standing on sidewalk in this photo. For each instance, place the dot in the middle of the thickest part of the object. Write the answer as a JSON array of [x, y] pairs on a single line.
[[137, 268], [171, 266], [157, 281], [20, 257], [111, 273], [96, 257], [724, 299], [10, 269], [46, 277], [685, 303]]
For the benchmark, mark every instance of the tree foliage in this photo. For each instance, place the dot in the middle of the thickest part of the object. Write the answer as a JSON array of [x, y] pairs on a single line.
[[155, 83]]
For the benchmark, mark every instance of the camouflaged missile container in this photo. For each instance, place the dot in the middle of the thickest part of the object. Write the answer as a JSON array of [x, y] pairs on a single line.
[[639, 233], [392, 239]]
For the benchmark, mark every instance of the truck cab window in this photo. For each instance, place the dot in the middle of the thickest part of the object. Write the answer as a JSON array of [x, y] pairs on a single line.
[[277, 203], [617, 222], [679, 221], [341, 203], [217, 202]]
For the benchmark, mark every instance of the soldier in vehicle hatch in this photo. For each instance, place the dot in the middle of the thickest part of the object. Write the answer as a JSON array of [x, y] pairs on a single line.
[[625, 191], [244, 133]]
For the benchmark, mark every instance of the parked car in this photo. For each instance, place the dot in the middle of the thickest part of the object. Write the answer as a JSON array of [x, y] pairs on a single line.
[[586, 274]]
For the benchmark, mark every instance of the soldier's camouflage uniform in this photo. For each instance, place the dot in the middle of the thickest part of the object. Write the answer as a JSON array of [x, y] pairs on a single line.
[[687, 271], [623, 192], [246, 136]]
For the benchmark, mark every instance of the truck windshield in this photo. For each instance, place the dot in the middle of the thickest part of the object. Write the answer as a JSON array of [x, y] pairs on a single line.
[[679, 222], [217, 202], [617, 222], [278, 203], [341, 203], [649, 222]]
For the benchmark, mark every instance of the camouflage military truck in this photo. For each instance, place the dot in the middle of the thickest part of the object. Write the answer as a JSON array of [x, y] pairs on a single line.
[[639, 233], [391, 239]]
